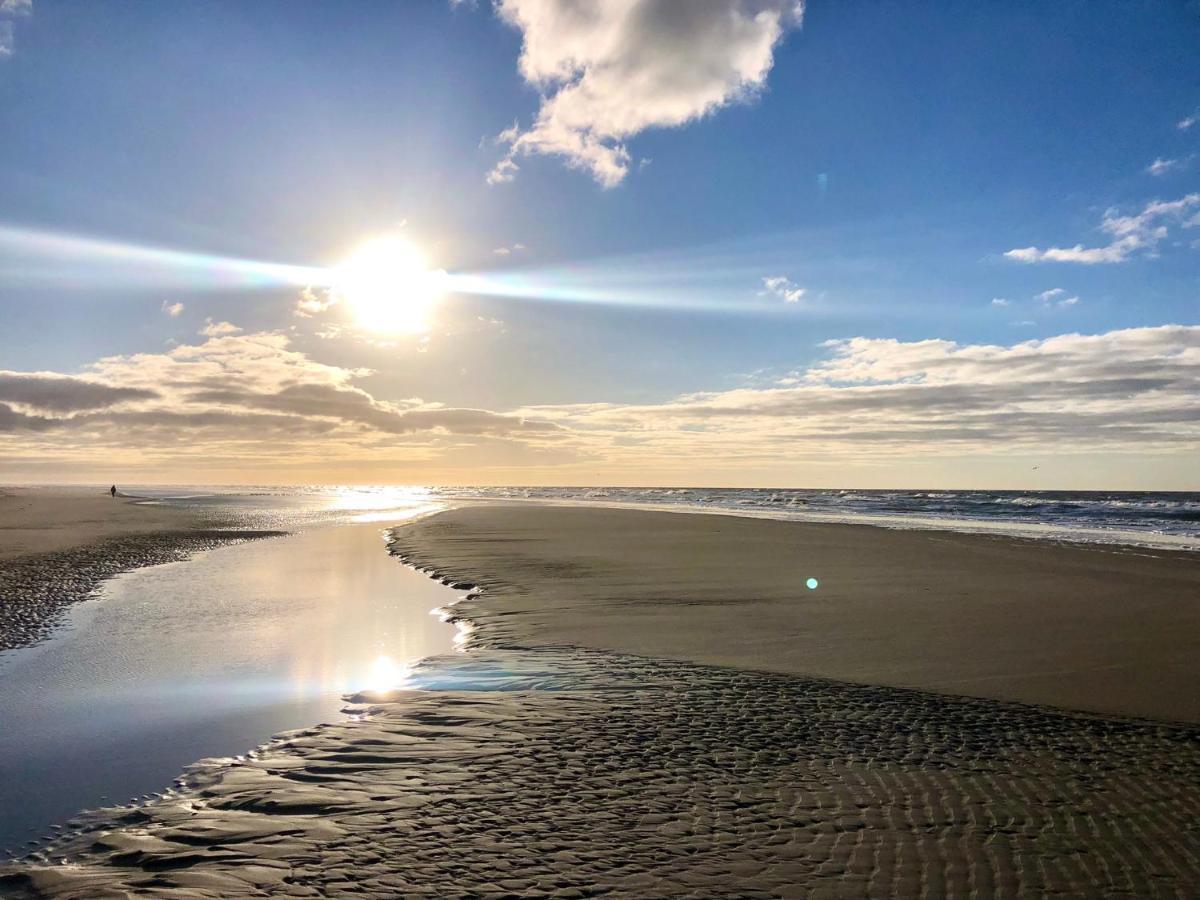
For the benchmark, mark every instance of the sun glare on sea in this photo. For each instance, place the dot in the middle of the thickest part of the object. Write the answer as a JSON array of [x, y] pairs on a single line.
[[388, 286]]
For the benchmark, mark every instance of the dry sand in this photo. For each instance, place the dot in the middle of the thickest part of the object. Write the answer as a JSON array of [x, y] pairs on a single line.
[[533, 766], [58, 544], [45, 519]]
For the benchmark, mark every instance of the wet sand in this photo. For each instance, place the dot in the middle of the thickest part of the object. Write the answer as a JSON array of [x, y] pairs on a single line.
[[1086, 628], [548, 762], [58, 544]]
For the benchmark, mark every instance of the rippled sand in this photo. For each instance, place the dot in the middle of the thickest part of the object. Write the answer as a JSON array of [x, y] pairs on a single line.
[[528, 768], [577, 773]]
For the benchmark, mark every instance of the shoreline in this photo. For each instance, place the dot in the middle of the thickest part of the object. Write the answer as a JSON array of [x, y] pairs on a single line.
[[1006, 529]]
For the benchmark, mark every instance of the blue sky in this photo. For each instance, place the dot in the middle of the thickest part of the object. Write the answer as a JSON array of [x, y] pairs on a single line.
[[883, 164]]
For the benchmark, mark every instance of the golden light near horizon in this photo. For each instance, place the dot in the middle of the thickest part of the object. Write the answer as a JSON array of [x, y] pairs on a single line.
[[388, 286]]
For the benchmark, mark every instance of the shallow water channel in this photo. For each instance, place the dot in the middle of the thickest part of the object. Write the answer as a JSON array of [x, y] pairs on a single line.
[[207, 657]]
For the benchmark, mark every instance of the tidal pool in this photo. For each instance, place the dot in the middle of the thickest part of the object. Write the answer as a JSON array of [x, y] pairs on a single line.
[[207, 657]]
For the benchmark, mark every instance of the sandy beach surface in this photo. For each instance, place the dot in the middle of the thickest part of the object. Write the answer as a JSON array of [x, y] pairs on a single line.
[[1086, 628], [58, 544], [657, 705]]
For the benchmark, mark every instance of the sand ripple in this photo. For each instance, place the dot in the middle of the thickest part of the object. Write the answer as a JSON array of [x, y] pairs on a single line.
[[559, 772]]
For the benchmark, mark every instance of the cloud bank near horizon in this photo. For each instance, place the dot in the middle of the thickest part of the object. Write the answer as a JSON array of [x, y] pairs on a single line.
[[252, 399]]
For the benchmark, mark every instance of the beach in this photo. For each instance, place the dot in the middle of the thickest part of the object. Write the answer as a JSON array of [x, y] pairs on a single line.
[[657, 704]]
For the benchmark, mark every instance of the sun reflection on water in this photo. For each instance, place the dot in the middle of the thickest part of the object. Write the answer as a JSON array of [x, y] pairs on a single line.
[[387, 675]]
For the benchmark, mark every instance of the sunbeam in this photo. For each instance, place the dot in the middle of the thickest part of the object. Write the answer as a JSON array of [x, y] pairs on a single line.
[[44, 258], [704, 278]]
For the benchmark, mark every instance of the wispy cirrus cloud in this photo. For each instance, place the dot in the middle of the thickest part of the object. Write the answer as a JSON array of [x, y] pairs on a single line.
[[1056, 297], [9, 10], [610, 69], [1164, 166], [1130, 235]]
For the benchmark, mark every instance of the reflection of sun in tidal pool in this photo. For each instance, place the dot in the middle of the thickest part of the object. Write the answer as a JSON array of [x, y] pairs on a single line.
[[386, 675]]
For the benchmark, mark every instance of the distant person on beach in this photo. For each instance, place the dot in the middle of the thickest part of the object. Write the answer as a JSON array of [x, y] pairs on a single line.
[[113, 490]]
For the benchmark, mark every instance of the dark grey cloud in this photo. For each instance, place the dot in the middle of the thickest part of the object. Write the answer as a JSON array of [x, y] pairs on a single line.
[[353, 405], [12, 421], [51, 392]]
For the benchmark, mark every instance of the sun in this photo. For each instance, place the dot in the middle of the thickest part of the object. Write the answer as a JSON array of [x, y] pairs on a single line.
[[388, 286]]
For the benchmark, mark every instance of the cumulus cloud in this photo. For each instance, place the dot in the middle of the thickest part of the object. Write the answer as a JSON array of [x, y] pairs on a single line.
[[1185, 123], [999, 301], [218, 329], [1129, 390], [1134, 234], [249, 392], [54, 393], [783, 288], [509, 251], [255, 399], [172, 309], [609, 69], [312, 301]]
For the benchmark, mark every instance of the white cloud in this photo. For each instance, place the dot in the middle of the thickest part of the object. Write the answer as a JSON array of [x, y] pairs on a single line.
[[1055, 297], [1162, 166], [609, 69], [1186, 123], [11, 9], [999, 301], [253, 401], [783, 288], [1128, 390], [508, 251], [313, 301], [172, 309], [218, 329], [1139, 234]]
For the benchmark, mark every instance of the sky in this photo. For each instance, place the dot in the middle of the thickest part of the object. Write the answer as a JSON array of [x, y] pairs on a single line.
[[630, 242]]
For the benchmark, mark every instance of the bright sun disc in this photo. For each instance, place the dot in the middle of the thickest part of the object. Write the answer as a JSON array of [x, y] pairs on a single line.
[[389, 287]]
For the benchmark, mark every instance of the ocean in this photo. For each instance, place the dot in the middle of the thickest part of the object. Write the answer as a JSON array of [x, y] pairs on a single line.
[[1163, 520]]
